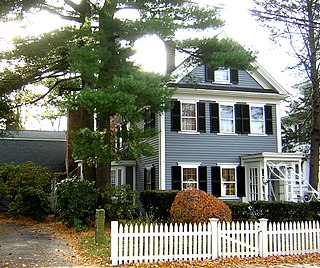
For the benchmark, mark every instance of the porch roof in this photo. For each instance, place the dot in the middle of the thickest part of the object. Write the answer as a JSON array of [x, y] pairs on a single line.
[[268, 156]]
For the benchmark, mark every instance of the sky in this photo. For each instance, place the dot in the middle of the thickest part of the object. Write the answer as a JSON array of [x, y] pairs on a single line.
[[239, 25]]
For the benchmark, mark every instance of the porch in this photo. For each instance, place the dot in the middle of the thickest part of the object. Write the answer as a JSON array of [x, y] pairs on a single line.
[[277, 177]]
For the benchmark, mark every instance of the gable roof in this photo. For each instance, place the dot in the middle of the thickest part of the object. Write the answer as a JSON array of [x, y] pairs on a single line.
[[259, 74]]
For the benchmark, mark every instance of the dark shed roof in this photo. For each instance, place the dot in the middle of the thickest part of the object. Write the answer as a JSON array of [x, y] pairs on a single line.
[[43, 148]]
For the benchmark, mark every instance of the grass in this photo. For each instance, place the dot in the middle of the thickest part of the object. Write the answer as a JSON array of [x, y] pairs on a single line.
[[91, 249]]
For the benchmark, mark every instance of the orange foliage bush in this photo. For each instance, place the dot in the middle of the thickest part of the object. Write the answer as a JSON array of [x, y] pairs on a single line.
[[194, 206]]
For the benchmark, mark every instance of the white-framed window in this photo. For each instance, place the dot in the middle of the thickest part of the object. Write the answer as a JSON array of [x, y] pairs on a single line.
[[257, 119], [228, 181], [188, 116], [148, 182], [189, 175], [222, 75], [117, 176], [226, 118], [253, 184]]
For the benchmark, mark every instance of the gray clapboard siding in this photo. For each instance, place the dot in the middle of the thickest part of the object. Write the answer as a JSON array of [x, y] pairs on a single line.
[[148, 161], [210, 149], [197, 76]]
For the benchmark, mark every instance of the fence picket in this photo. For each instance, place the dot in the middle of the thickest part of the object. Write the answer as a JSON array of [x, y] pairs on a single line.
[[167, 242]]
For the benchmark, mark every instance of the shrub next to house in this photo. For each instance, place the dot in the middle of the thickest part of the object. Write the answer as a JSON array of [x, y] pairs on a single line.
[[76, 202], [195, 206], [158, 203], [279, 211], [26, 188]]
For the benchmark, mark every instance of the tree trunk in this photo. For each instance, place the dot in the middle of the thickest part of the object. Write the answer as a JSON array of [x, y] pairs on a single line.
[[104, 170], [78, 119], [170, 56], [315, 128]]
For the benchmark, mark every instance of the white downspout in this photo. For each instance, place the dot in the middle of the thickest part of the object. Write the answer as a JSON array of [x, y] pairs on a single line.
[[162, 151]]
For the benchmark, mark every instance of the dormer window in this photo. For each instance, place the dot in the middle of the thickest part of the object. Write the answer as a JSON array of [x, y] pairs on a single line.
[[222, 75]]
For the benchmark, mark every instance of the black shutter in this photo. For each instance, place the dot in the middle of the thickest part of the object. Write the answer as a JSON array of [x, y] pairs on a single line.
[[245, 119], [214, 118], [150, 120], [201, 109], [153, 178], [268, 119], [241, 181], [234, 74], [175, 116], [202, 173], [242, 118], [145, 178], [238, 113], [176, 177], [216, 181], [209, 74]]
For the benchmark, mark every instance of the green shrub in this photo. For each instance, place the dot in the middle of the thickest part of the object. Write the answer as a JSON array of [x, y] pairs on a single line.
[[25, 187], [18, 176], [158, 203], [194, 206], [76, 202], [315, 210], [240, 211], [279, 211], [119, 202], [30, 202]]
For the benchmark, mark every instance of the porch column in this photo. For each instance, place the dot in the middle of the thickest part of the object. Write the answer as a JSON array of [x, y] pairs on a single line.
[[264, 179]]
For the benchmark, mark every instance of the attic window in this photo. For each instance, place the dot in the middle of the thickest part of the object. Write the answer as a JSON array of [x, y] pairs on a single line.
[[222, 75]]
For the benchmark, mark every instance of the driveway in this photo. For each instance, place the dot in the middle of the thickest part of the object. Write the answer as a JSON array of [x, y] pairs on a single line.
[[28, 246]]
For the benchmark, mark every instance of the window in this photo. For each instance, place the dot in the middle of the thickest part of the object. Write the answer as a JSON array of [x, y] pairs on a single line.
[[149, 120], [257, 120], [188, 116], [228, 181], [189, 176], [226, 119], [222, 75], [117, 176], [253, 184], [149, 178]]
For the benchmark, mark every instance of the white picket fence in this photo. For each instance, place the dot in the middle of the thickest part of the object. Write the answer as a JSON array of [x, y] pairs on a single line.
[[168, 242]]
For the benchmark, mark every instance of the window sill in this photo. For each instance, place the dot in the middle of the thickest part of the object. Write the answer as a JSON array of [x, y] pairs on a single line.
[[188, 132], [227, 134], [222, 82], [231, 197], [258, 134]]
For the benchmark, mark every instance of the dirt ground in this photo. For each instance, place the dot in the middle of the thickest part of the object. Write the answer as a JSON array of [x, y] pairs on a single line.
[[48, 244], [27, 246]]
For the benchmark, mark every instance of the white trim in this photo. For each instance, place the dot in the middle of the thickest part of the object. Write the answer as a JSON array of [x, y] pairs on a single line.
[[189, 164], [233, 117], [278, 118], [162, 153]]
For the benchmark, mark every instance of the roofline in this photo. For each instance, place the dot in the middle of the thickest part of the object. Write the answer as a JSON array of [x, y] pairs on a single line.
[[183, 69]]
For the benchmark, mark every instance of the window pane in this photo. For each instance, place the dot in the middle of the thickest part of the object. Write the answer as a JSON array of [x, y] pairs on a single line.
[[113, 178], [228, 174], [227, 126], [226, 111], [188, 123], [256, 113], [221, 75], [230, 189], [188, 109], [257, 122], [189, 186], [257, 127]]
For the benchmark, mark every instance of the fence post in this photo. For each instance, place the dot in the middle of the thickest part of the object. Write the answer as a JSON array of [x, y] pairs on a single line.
[[100, 237], [263, 244], [214, 237], [114, 242]]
